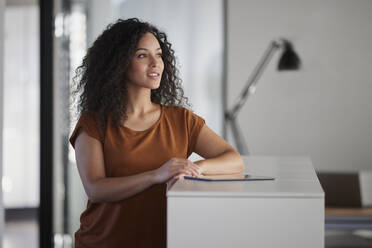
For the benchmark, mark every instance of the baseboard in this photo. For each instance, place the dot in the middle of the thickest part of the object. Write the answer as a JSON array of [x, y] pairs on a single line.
[[17, 214]]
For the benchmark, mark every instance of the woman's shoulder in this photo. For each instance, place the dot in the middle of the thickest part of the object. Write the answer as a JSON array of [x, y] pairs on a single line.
[[88, 121], [88, 116], [176, 111], [92, 119], [181, 113]]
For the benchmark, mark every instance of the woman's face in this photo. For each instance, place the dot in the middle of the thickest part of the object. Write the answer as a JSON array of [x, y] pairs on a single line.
[[146, 66]]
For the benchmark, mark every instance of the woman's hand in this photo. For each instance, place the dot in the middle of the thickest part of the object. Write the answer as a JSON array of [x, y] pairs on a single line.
[[176, 168]]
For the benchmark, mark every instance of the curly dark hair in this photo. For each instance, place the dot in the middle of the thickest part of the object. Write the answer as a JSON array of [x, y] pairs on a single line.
[[100, 81]]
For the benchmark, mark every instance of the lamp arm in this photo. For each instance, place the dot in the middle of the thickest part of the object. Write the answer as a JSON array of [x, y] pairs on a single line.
[[239, 139], [230, 115], [248, 89]]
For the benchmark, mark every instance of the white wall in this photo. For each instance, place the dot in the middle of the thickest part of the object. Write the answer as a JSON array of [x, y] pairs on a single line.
[[324, 110], [21, 107], [2, 10]]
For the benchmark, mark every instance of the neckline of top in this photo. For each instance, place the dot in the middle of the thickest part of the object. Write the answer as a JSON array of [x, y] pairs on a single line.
[[150, 128]]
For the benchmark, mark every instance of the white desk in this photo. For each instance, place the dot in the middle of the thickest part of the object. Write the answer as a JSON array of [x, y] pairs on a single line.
[[287, 212]]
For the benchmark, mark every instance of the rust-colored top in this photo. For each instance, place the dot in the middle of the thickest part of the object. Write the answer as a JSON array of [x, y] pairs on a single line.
[[138, 221]]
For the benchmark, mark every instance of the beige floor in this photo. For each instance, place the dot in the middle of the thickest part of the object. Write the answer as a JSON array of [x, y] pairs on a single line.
[[19, 234]]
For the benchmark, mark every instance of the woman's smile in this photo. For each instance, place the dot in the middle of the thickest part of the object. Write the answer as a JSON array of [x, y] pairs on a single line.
[[153, 75]]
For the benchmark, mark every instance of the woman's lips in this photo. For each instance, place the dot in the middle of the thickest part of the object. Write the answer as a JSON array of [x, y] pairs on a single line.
[[153, 75]]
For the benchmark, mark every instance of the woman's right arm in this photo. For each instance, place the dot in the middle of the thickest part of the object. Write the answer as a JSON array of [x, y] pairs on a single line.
[[99, 188]]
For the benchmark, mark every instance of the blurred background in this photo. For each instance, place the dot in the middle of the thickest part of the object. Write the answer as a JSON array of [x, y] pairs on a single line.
[[322, 111]]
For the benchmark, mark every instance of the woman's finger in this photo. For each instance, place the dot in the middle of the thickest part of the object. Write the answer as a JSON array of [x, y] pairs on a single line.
[[180, 176], [194, 169], [187, 167]]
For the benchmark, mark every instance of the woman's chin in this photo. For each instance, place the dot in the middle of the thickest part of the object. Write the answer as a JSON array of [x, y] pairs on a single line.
[[155, 86], [152, 85]]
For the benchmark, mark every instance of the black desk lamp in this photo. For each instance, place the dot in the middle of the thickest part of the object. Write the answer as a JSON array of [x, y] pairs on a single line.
[[288, 61]]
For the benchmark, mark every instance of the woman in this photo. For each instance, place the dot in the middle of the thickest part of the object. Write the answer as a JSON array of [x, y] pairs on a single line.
[[133, 137]]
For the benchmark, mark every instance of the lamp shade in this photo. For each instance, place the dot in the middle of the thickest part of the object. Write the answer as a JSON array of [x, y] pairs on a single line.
[[289, 59]]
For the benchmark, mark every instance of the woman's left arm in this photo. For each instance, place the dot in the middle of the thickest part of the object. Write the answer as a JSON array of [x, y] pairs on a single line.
[[220, 157]]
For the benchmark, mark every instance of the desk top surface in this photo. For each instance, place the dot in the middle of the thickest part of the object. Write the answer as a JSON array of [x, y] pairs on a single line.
[[349, 212], [295, 177]]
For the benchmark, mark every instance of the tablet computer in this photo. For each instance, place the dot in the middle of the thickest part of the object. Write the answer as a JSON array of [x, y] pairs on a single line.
[[239, 177]]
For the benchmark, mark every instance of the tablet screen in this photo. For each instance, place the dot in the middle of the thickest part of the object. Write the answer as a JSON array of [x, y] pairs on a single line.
[[232, 177]]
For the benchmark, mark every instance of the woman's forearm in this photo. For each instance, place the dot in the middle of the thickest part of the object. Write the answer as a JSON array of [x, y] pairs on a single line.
[[118, 188], [229, 162]]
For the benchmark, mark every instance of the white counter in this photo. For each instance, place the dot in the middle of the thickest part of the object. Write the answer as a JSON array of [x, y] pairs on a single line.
[[286, 212]]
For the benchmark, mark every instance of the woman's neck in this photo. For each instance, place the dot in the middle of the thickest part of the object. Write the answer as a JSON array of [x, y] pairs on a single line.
[[139, 101]]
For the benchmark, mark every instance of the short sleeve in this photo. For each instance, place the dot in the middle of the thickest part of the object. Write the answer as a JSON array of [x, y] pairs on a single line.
[[87, 122], [194, 125]]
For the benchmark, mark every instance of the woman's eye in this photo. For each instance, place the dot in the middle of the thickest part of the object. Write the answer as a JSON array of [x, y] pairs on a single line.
[[159, 55], [142, 55]]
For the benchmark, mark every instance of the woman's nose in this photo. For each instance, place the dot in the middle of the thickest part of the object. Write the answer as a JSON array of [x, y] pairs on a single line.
[[154, 61]]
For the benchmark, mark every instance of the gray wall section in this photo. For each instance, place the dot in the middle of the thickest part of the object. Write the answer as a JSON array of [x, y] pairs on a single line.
[[2, 10], [324, 110]]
